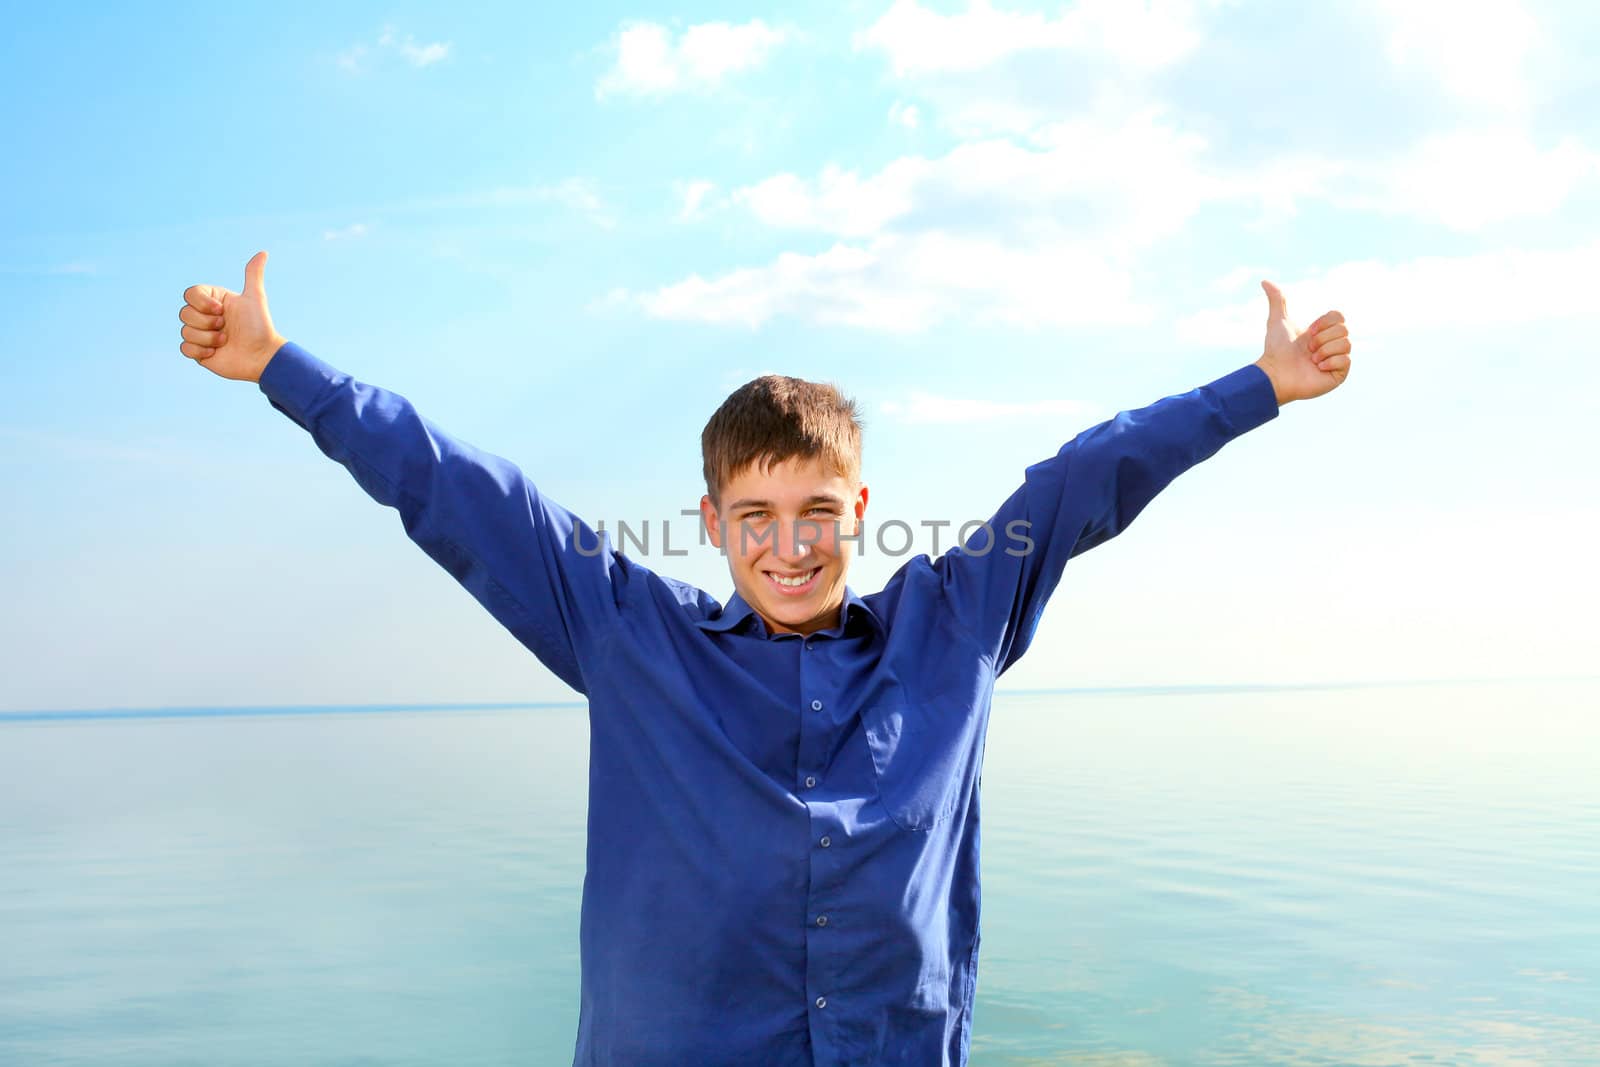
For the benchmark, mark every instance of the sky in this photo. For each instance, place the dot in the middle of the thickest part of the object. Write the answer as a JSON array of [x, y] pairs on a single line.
[[567, 232]]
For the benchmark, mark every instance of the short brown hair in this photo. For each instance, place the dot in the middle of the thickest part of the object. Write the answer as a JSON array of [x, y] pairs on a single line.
[[776, 418]]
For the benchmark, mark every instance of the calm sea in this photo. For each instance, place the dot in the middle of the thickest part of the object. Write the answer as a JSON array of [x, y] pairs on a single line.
[[1361, 875]]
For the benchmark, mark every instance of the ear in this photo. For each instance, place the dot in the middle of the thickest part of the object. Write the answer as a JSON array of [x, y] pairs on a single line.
[[861, 502], [708, 516]]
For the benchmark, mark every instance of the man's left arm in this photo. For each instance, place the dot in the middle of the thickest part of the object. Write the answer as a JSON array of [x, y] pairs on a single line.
[[1303, 364], [1100, 480]]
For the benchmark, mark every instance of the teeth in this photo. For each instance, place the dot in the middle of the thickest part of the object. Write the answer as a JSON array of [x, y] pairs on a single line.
[[802, 580]]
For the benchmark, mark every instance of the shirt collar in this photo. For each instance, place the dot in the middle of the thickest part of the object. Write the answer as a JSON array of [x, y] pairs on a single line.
[[736, 611]]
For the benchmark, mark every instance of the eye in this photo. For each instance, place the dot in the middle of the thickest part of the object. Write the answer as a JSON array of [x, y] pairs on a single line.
[[753, 515]]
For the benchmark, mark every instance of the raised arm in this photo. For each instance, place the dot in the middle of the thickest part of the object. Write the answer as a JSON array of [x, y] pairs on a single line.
[[1099, 481], [546, 576]]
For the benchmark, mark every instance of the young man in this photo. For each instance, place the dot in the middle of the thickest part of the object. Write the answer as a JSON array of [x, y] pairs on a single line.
[[783, 804]]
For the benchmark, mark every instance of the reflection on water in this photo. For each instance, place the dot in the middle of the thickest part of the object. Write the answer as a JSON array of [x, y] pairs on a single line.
[[1383, 875], [1380, 875]]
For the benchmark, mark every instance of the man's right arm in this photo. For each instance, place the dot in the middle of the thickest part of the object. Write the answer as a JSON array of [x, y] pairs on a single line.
[[548, 578], [545, 575]]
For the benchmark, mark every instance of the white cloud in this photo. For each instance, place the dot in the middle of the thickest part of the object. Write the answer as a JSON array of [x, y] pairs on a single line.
[[695, 198], [1109, 188], [1079, 201], [351, 232], [426, 54], [355, 59], [1129, 181], [1478, 51], [987, 71], [1498, 288], [579, 195], [908, 283], [990, 231], [839, 201], [415, 54], [650, 62], [923, 407], [1464, 180], [979, 233], [1469, 179], [1132, 180], [903, 114], [1148, 34], [1036, 234]]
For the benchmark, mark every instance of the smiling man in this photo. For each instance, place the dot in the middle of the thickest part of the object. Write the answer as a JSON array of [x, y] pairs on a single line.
[[784, 499], [782, 863], [790, 546]]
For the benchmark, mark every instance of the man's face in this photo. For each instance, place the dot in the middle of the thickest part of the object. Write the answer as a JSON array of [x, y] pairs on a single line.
[[780, 530]]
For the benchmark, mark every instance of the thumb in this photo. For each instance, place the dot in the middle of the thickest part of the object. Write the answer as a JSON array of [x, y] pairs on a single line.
[[254, 285], [1277, 307]]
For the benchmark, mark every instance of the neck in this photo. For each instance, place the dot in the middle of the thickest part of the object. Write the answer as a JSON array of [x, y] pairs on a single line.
[[823, 620]]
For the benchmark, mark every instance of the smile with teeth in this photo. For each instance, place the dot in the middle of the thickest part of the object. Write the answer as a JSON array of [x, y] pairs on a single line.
[[797, 581]]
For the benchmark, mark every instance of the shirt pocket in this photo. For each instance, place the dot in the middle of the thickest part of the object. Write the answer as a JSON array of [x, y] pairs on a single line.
[[925, 754]]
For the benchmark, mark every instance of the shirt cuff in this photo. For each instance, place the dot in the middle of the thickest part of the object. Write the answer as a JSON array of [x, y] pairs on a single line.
[[293, 379], [1248, 398]]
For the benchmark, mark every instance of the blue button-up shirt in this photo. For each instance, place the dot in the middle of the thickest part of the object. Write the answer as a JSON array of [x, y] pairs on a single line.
[[783, 829]]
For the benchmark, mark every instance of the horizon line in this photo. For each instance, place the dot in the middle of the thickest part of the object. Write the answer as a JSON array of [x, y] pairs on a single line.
[[224, 711]]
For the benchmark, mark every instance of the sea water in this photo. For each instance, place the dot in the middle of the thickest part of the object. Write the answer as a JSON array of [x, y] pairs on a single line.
[[1390, 874]]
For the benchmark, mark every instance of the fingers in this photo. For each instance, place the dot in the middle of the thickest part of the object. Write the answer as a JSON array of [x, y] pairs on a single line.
[[198, 319], [208, 338], [1335, 363], [253, 274], [1332, 318], [1334, 350], [1332, 333], [1277, 306], [201, 331], [203, 299], [201, 315]]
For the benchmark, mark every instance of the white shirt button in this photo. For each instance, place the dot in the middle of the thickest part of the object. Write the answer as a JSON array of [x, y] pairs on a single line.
[[822, 920], [816, 705], [826, 842], [822, 1002], [810, 781]]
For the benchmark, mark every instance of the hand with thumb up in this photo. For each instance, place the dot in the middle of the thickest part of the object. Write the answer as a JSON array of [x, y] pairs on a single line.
[[1303, 363], [229, 333]]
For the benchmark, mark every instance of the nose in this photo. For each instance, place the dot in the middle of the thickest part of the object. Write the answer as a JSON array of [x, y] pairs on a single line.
[[797, 540]]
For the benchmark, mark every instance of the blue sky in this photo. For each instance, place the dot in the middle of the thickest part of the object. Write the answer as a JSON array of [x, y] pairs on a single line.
[[567, 233]]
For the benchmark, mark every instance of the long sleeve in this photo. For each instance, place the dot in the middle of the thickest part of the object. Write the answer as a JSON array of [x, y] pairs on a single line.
[[1084, 495], [552, 581]]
